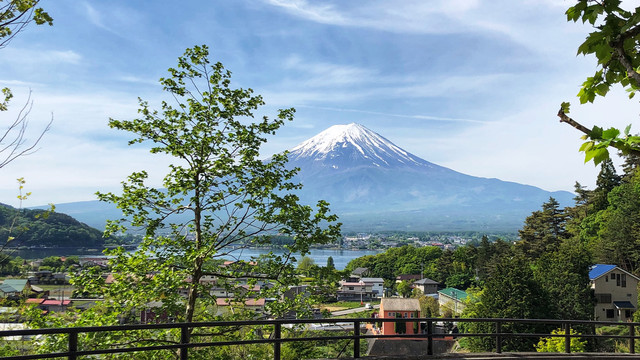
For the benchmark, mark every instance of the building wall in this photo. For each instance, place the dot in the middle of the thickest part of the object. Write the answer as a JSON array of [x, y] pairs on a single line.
[[608, 284], [456, 306], [389, 328]]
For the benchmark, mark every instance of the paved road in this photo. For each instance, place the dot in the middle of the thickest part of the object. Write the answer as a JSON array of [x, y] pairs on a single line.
[[351, 311]]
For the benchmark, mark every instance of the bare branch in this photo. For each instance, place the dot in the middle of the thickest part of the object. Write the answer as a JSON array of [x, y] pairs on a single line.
[[13, 143]]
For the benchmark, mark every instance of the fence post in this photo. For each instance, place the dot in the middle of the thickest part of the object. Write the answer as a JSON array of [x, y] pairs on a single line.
[[73, 345], [632, 339], [429, 337], [277, 335], [356, 340], [498, 336], [567, 337], [184, 340]]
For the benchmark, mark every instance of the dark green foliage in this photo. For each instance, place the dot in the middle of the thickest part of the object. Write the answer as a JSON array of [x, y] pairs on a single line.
[[564, 277], [510, 292], [330, 263], [619, 229], [33, 228], [543, 231], [397, 261]]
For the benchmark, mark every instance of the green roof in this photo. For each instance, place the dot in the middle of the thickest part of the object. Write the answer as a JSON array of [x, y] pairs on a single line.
[[454, 293], [18, 284]]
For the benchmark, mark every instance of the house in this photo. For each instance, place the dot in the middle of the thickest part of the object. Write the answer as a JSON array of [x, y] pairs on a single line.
[[400, 309], [355, 291], [451, 299], [377, 285], [15, 288], [427, 286], [89, 261], [360, 272], [408, 277], [49, 304], [616, 292]]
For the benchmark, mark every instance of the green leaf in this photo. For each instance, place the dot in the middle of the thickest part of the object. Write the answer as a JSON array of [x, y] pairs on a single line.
[[565, 107], [587, 146], [596, 133], [610, 133]]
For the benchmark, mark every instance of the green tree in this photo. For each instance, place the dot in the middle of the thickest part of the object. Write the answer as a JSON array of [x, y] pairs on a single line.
[[564, 277], [429, 306], [510, 292], [217, 196], [543, 230], [614, 42], [404, 288], [606, 181], [305, 265], [330, 263], [618, 231]]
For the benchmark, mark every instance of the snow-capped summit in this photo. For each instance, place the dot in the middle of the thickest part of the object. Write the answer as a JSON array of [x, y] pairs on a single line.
[[353, 145]]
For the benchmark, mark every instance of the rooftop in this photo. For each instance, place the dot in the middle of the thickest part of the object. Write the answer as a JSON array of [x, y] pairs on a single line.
[[398, 304], [454, 293]]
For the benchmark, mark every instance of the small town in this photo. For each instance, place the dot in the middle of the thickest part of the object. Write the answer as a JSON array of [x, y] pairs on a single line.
[[295, 179]]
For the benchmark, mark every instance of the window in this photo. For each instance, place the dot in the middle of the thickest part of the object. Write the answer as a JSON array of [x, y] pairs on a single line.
[[617, 279], [624, 280], [606, 278], [405, 315], [350, 287], [627, 314], [412, 315], [392, 314], [609, 313], [603, 298]]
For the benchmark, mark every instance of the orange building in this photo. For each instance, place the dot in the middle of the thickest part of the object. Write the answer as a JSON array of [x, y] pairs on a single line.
[[400, 309]]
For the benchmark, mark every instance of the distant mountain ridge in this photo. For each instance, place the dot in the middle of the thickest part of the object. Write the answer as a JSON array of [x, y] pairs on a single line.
[[373, 185]]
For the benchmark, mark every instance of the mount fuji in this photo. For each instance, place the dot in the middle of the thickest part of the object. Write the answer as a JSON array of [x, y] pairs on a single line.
[[374, 184]]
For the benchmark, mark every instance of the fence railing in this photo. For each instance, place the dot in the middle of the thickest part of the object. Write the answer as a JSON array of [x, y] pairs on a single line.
[[189, 335]]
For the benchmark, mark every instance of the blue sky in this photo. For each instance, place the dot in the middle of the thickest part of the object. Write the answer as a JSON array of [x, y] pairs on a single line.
[[473, 85]]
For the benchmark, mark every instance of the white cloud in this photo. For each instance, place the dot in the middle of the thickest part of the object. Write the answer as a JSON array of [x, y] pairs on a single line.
[[41, 57]]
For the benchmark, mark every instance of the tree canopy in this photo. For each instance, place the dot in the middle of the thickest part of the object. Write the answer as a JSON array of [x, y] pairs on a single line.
[[230, 199], [615, 42]]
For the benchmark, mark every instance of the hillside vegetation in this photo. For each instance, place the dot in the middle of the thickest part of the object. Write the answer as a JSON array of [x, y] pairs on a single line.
[[42, 229]]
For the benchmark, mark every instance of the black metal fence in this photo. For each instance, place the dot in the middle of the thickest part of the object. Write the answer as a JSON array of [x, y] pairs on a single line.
[[189, 334]]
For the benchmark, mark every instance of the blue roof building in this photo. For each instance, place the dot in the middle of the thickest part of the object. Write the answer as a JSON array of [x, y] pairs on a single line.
[[616, 292]]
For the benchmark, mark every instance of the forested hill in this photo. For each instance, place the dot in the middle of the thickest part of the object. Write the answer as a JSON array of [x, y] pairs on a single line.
[[37, 228]]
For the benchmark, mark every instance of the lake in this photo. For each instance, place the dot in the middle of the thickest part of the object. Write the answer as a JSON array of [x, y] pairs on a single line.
[[340, 257]]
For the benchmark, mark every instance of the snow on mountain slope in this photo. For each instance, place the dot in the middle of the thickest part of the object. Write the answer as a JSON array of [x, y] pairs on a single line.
[[342, 146]]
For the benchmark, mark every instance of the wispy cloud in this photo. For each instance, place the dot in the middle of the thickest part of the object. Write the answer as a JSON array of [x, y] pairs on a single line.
[[326, 14], [25, 56], [404, 116]]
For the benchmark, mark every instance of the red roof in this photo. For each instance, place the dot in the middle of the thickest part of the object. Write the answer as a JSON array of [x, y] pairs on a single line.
[[56, 302]]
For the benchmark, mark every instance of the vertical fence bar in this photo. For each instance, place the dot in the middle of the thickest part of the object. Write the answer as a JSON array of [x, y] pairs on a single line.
[[567, 337], [277, 335], [498, 336], [73, 345], [184, 340], [356, 340], [429, 337], [632, 339]]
